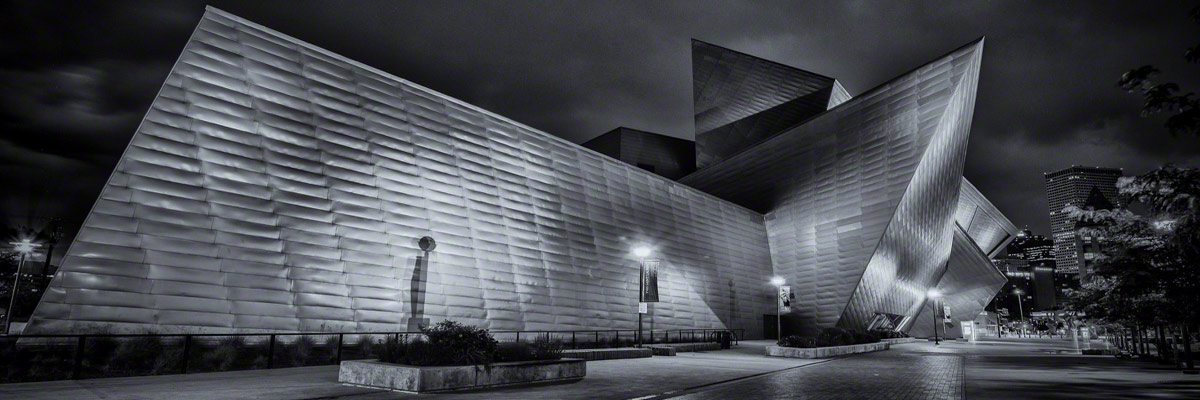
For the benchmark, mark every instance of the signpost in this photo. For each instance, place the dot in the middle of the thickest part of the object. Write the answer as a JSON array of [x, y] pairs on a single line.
[[785, 306], [647, 288]]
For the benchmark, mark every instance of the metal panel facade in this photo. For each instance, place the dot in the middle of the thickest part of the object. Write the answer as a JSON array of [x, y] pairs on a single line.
[[983, 222], [860, 200], [275, 186], [741, 100], [970, 282]]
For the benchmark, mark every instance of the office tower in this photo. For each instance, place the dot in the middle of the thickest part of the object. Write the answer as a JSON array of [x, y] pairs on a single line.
[[1073, 186]]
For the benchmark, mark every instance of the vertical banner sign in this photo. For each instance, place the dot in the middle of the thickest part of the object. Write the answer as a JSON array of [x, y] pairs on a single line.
[[785, 299], [649, 291]]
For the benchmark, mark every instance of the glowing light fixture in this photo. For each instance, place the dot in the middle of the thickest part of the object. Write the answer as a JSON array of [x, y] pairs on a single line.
[[933, 293], [777, 281], [641, 251]]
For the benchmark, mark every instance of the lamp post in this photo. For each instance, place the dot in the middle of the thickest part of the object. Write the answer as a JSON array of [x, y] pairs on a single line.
[[25, 247], [1020, 309], [778, 282], [641, 252], [935, 294]]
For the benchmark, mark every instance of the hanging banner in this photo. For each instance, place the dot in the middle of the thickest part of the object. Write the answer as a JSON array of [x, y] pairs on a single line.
[[785, 299], [649, 281]]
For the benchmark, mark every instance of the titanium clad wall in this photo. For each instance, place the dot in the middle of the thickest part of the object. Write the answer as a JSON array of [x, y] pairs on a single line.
[[983, 222], [860, 199], [731, 92], [274, 186], [970, 282]]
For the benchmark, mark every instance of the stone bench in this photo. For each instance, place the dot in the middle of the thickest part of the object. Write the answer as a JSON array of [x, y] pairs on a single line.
[[825, 352], [670, 349], [608, 354]]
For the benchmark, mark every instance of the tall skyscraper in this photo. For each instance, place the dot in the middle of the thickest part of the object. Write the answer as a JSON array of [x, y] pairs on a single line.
[[1072, 186]]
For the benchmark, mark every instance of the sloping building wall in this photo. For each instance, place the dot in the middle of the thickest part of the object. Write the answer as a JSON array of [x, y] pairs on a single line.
[[860, 200], [984, 223], [970, 282], [740, 99], [275, 186]]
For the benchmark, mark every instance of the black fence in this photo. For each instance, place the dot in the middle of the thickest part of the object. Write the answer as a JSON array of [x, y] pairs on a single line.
[[25, 358]]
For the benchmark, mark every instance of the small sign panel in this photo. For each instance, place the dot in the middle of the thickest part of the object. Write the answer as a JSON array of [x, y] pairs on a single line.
[[785, 299], [649, 281], [643, 308]]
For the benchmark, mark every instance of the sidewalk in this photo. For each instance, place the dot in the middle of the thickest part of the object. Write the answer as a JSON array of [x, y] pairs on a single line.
[[1047, 369], [608, 379]]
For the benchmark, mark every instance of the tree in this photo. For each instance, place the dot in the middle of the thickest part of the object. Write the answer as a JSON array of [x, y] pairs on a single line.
[[1166, 97]]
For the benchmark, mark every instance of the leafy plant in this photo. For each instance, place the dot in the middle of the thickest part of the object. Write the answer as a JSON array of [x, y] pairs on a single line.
[[513, 351], [834, 336], [392, 349], [803, 342]]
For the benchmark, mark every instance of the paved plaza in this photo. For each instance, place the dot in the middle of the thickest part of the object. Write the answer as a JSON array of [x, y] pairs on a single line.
[[988, 369]]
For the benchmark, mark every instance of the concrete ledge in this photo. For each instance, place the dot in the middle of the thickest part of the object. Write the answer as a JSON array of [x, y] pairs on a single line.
[[898, 340], [609, 354], [407, 378], [663, 351], [669, 349], [825, 352]]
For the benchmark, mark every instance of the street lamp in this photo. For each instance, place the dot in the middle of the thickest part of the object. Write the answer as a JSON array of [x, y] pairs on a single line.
[[1020, 309], [778, 282], [934, 294], [25, 247]]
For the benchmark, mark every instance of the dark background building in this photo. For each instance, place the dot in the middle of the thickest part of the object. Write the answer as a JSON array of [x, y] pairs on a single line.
[[1037, 251], [673, 158]]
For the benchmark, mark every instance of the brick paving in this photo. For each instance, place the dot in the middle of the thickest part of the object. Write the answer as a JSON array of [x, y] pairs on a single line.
[[1042, 369], [892, 375]]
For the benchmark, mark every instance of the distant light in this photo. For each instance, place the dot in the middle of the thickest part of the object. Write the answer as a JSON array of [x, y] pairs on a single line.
[[25, 246], [777, 281], [641, 251], [1018, 292], [933, 293]]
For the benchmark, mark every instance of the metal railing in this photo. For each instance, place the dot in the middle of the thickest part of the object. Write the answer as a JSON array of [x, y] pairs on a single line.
[[85, 356]]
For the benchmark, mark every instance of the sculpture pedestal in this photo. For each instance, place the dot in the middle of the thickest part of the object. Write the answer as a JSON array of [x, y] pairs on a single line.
[[415, 324]]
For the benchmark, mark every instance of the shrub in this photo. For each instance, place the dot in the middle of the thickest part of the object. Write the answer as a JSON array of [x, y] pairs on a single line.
[[865, 337], [446, 343], [461, 344], [391, 349], [834, 336], [229, 354], [889, 334], [542, 348], [136, 354], [545, 348], [798, 341], [424, 353], [305, 351], [513, 351]]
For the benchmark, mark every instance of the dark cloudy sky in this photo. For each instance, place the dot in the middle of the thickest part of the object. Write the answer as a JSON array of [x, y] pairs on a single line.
[[76, 78]]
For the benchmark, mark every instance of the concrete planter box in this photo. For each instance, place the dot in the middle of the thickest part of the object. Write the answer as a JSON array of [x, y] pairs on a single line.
[[898, 340], [825, 352], [609, 354], [407, 378]]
